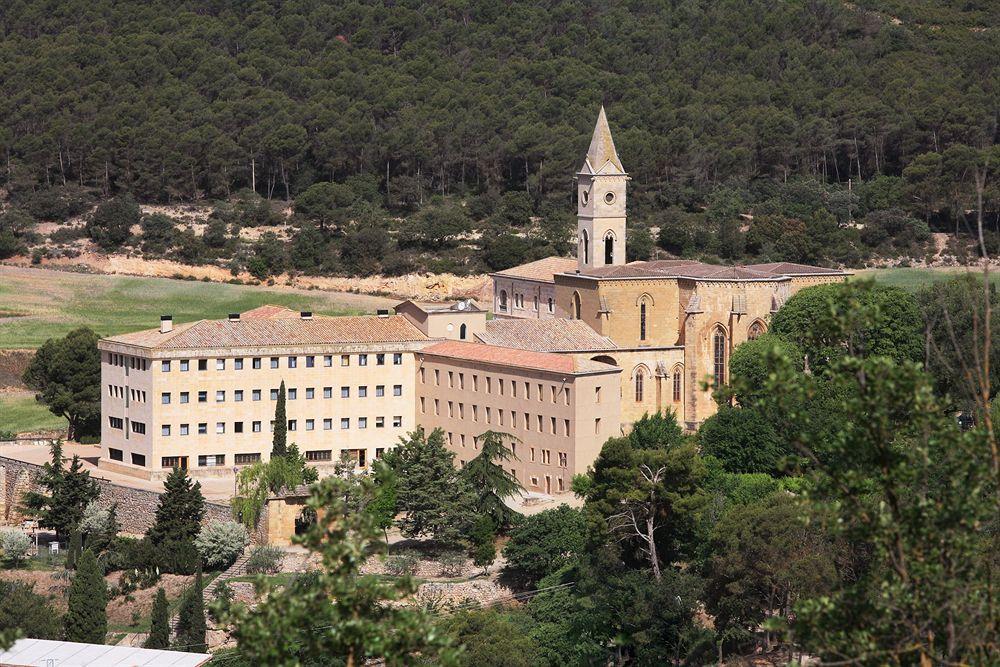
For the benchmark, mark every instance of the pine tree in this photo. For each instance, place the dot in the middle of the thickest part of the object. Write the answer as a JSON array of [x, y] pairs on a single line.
[[86, 618], [279, 444], [178, 520], [490, 482], [68, 492], [191, 626], [75, 549], [483, 538], [159, 626]]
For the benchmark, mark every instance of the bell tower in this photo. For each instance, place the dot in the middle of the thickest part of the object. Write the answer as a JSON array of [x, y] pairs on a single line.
[[601, 185]]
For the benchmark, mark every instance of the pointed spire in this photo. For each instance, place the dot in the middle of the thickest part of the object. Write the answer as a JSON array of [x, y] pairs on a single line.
[[602, 149]]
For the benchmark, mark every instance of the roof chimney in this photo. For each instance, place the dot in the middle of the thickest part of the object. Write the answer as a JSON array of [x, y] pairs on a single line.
[[306, 314], [166, 323], [234, 317], [382, 312]]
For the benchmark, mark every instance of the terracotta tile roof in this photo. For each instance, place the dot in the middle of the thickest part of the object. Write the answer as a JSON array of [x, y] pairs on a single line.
[[269, 312], [555, 335], [505, 356], [267, 331], [792, 269], [541, 270]]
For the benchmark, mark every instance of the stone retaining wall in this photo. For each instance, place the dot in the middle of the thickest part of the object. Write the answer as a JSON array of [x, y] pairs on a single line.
[[136, 507]]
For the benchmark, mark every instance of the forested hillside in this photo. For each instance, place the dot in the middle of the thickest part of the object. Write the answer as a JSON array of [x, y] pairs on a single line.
[[714, 103]]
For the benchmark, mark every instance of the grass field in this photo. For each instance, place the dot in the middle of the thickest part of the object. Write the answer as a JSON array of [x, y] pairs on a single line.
[[38, 304], [914, 279], [21, 413]]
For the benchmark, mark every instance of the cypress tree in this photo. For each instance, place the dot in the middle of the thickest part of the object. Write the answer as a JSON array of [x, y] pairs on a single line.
[[178, 520], [191, 626], [279, 444], [159, 626], [75, 549], [86, 618]]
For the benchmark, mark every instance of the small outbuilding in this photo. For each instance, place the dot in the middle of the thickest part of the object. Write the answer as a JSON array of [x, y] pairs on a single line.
[[46, 653]]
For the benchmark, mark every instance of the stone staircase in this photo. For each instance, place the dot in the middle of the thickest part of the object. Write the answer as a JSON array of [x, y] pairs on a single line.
[[237, 569]]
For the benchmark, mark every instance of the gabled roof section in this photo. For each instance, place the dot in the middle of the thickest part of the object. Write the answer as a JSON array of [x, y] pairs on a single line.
[[793, 269], [555, 335], [525, 359], [541, 270], [602, 158], [692, 270]]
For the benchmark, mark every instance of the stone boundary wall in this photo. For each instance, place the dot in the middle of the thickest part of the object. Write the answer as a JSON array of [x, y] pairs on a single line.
[[136, 507]]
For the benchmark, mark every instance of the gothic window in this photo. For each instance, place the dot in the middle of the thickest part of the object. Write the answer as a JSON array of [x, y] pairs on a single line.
[[462, 331], [642, 321], [503, 300], [576, 306], [638, 385], [585, 239], [719, 356], [609, 248], [677, 385], [755, 331]]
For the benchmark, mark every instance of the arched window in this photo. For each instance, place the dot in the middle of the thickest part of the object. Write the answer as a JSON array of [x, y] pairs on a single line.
[[638, 385], [719, 356], [677, 385], [609, 248], [503, 300], [576, 306], [755, 331], [462, 330], [642, 321], [585, 240]]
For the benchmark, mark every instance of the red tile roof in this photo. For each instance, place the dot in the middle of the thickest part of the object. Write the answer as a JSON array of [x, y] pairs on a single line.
[[555, 335], [506, 356], [690, 269], [541, 270]]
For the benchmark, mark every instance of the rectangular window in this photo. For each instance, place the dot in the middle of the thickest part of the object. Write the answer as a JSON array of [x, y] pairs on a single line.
[[138, 427], [328, 360], [475, 413], [397, 359], [318, 455], [184, 365], [211, 460], [220, 397], [527, 390], [203, 397], [310, 424], [327, 392], [362, 391], [238, 395], [293, 424], [566, 427], [597, 394], [165, 429], [184, 429], [165, 398], [139, 460], [362, 360], [255, 394], [362, 422], [170, 462], [238, 364], [220, 427], [597, 426], [255, 363], [500, 381], [246, 459], [437, 407], [345, 392], [553, 425], [489, 385], [461, 381], [115, 454], [397, 390], [293, 362], [563, 459], [310, 361], [293, 394], [345, 360], [380, 422], [475, 382], [255, 427], [310, 393], [451, 379], [423, 406], [203, 428], [380, 359], [203, 364], [423, 378], [237, 427], [327, 424], [220, 364], [165, 366], [488, 415], [437, 377], [379, 390], [274, 362], [345, 423], [397, 421], [274, 394]]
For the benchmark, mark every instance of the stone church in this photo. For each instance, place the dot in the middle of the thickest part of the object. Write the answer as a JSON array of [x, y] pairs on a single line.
[[670, 325]]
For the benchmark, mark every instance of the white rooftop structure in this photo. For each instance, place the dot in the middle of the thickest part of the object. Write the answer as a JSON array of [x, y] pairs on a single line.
[[49, 653]]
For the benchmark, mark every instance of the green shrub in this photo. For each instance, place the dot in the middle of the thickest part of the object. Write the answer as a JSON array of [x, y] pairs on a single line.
[[265, 560], [220, 543], [15, 547], [452, 563], [401, 564]]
